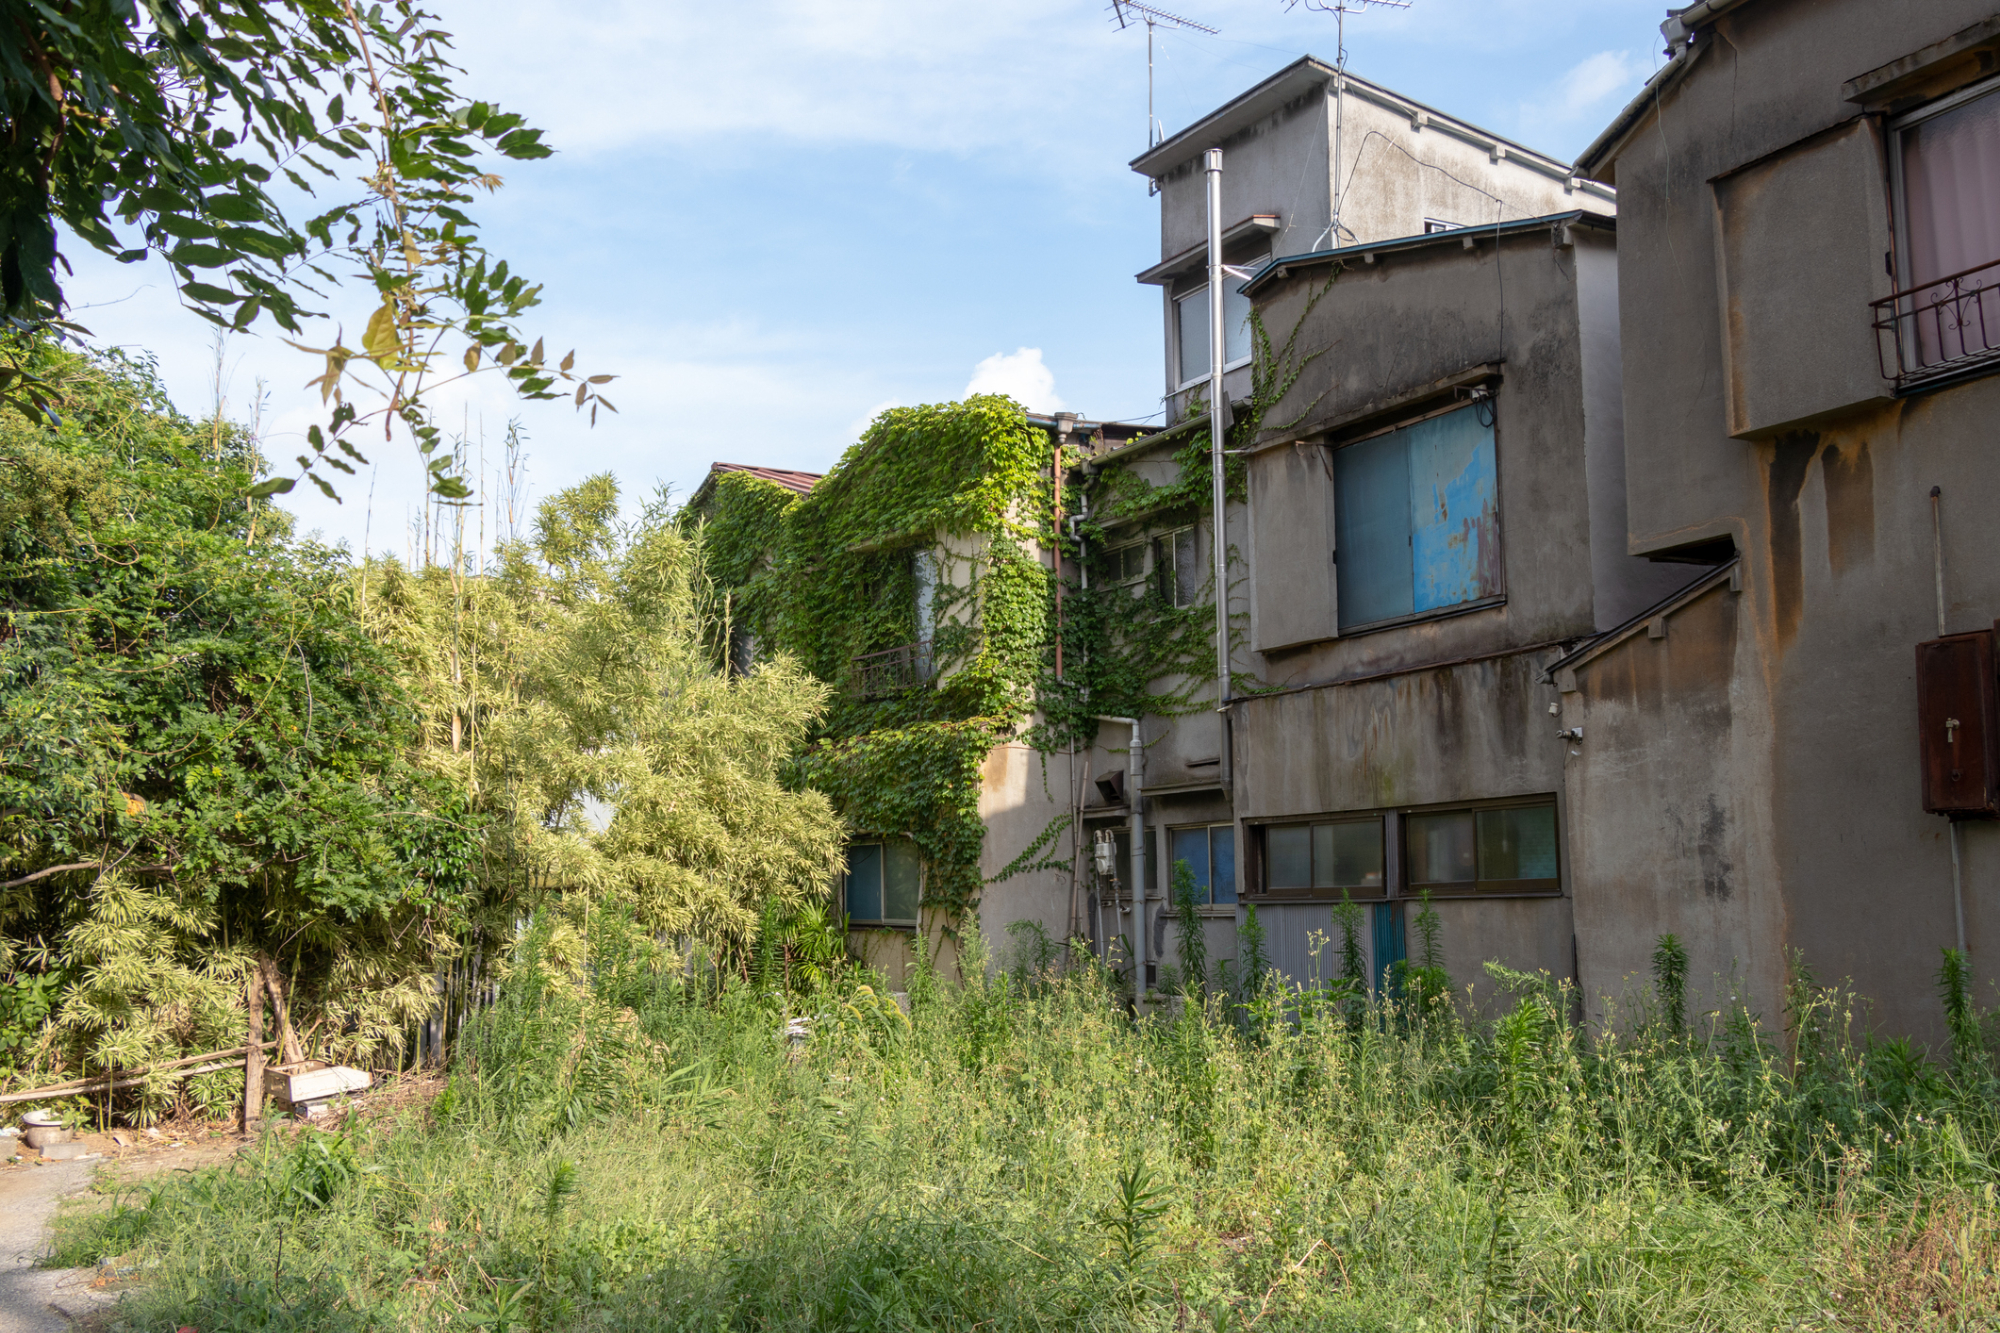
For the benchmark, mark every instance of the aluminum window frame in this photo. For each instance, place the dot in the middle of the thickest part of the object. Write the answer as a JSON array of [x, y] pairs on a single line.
[[1167, 571], [1893, 129], [1209, 826], [1540, 887], [1174, 299], [904, 924], [1260, 832]]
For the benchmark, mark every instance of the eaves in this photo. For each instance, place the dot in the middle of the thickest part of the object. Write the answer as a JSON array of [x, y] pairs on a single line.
[[1462, 238]]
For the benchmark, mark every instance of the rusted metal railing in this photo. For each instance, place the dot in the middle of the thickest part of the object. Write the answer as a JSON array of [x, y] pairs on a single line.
[[873, 675], [1940, 327]]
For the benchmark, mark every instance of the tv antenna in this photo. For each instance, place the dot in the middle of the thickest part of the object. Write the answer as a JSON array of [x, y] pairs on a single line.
[[1340, 9], [1130, 11]]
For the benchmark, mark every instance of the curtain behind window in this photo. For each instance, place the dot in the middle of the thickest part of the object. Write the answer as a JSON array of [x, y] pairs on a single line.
[[1951, 190]]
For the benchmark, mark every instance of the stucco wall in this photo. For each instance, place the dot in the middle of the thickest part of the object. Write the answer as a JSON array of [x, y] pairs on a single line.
[[1812, 764]]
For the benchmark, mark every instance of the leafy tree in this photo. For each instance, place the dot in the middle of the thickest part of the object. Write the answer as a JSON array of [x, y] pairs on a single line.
[[202, 756], [573, 692], [191, 127]]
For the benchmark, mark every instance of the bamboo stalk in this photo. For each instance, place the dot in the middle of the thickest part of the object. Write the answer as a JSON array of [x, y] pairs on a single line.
[[128, 1077]]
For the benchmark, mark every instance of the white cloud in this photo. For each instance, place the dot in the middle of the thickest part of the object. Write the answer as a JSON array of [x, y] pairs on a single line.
[[1586, 93], [1019, 374]]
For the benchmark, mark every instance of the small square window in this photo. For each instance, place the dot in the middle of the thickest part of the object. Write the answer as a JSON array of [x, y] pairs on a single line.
[[883, 883], [1126, 565], [1210, 853]]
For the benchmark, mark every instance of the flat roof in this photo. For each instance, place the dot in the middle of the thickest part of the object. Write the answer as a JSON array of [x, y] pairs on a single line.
[[1460, 237]]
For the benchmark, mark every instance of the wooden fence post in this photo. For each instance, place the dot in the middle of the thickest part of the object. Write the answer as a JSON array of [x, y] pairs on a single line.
[[253, 1063]]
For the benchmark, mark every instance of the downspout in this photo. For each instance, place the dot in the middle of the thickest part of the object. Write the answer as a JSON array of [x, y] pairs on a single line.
[[1142, 939], [1218, 405]]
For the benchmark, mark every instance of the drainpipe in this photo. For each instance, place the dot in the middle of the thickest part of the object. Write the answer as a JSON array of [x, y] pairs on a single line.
[[1218, 403], [1937, 569], [1142, 939]]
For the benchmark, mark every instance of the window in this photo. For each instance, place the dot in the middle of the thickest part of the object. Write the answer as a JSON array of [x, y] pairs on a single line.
[[1191, 325], [1180, 573], [1126, 565], [882, 883], [1323, 859], [1210, 852], [1435, 225], [1500, 849], [1946, 174], [1417, 519]]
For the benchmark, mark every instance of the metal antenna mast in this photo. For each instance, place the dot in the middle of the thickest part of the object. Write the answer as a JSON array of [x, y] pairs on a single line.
[[1340, 9], [1126, 11]]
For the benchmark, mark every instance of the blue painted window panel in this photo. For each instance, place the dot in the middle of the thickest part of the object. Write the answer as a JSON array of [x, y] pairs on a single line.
[[1211, 855], [1191, 846], [1222, 852], [1417, 519], [863, 889], [1371, 504], [1454, 510]]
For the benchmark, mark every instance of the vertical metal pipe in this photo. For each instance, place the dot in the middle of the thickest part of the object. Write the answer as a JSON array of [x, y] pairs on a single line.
[[1218, 404], [1142, 944], [1937, 572]]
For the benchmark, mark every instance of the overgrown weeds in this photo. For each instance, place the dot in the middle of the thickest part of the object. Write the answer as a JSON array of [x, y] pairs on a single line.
[[631, 1147]]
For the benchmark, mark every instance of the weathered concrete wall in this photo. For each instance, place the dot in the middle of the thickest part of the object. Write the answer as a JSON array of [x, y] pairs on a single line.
[[1393, 175], [1735, 323], [1022, 793], [1386, 331], [1669, 824]]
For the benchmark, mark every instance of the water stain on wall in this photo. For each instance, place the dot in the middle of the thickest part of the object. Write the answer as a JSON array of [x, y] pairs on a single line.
[[1790, 458], [1850, 506]]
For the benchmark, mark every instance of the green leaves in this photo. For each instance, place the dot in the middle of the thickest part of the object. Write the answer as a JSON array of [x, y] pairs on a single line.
[[162, 132]]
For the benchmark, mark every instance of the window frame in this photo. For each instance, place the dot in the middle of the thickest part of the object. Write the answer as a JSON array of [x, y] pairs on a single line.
[[1313, 893], [1436, 226], [1415, 418], [1166, 570], [1135, 582], [884, 841], [1253, 857], [1174, 299], [1894, 128], [1236, 869], [1547, 887]]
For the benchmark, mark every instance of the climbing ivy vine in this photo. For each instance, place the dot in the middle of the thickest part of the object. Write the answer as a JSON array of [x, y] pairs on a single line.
[[954, 497], [948, 507]]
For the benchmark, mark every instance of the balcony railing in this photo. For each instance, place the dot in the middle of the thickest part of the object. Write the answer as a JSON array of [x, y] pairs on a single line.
[[874, 675], [1940, 328]]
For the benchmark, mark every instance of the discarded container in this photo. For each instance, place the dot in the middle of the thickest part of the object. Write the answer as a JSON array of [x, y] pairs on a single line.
[[43, 1129], [305, 1087]]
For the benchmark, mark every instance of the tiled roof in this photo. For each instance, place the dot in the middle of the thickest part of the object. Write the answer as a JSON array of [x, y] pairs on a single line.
[[791, 481]]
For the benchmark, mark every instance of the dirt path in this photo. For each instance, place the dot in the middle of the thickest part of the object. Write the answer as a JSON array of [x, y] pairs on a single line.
[[39, 1300]]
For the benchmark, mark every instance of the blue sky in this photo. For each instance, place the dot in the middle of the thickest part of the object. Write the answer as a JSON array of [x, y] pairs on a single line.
[[771, 220]]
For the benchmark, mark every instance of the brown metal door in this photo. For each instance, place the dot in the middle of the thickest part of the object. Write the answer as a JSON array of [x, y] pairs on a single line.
[[1956, 725]]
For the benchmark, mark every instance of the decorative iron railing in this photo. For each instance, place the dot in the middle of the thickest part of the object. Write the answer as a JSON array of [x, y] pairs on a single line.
[[874, 675], [1941, 327]]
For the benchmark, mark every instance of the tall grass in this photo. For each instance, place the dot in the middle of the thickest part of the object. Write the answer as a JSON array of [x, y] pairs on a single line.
[[643, 1150]]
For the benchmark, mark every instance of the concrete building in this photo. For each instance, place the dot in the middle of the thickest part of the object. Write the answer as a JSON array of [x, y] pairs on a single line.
[[1316, 159], [1809, 236], [1438, 518]]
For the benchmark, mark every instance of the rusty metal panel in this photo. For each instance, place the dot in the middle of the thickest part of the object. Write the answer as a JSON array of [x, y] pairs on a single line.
[[1959, 741], [1454, 509]]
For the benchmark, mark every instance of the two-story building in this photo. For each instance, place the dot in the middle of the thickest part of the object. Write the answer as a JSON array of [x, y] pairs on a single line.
[[1809, 254]]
